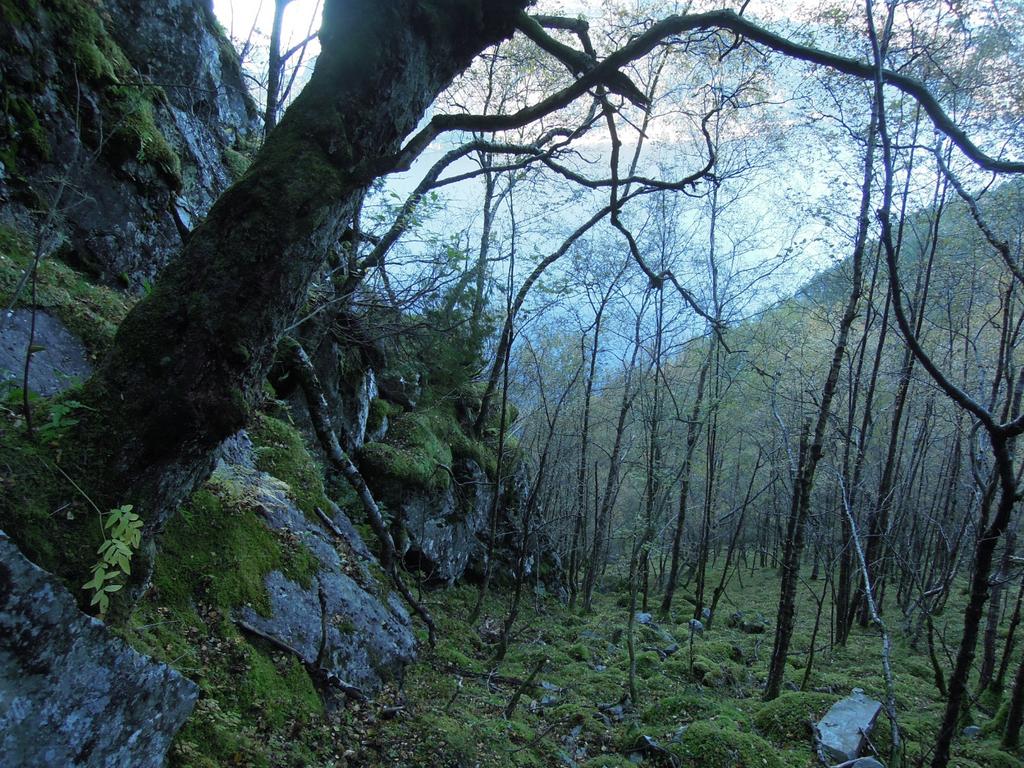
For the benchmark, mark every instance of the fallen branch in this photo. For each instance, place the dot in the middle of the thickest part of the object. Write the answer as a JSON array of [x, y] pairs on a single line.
[[876, 619], [323, 676], [340, 462], [528, 682]]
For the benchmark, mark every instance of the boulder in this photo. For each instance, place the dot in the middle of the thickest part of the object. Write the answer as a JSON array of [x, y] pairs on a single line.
[[843, 729], [972, 732], [59, 362], [71, 694], [343, 625], [696, 627], [755, 625], [866, 762]]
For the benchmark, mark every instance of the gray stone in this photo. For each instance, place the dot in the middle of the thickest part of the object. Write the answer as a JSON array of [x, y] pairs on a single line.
[[972, 732], [123, 215], [351, 630], [866, 762], [71, 694], [237, 451], [644, 618], [696, 627], [843, 728], [705, 613], [751, 626], [444, 528], [61, 361]]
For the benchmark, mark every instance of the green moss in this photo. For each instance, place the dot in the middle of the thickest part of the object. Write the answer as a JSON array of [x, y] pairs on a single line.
[[266, 684], [129, 129], [236, 162], [136, 131], [785, 720], [39, 508], [17, 11], [281, 452], [90, 311], [419, 451], [258, 707], [984, 755], [680, 708], [380, 410], [218, 549], [647, 664], [607, 761], [24, 132], [578, 652], [717, 745]]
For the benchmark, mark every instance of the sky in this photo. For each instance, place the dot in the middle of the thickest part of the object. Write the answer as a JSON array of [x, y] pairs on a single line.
[[240, 17], [252, 19]]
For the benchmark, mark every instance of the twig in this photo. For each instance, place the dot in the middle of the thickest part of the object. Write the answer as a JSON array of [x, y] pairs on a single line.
[[315, 671], [528, 682]]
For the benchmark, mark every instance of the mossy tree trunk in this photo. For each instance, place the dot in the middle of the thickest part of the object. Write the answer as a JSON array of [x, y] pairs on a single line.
[[189, 361]]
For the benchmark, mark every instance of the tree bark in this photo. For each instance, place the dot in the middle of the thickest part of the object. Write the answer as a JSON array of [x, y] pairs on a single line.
[[189, 361]]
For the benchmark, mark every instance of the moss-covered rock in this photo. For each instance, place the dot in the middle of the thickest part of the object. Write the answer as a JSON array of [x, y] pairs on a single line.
[[219, 549], [281, 451], [90, 311], [716, 745], [787, 719]]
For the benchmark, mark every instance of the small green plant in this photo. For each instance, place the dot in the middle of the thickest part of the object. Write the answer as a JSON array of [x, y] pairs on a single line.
[[61, 418], [122, 535]]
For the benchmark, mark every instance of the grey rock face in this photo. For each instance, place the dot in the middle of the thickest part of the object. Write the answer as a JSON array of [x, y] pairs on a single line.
[[972, 732], [70, 693], [207, 108], [443, 528], [867, 762], [121, 213], [343, 622], [844, 726], [60, 363], [696, 627]]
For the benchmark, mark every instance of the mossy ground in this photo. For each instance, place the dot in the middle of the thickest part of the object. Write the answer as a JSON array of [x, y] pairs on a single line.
[[709, 715], [260, 708]]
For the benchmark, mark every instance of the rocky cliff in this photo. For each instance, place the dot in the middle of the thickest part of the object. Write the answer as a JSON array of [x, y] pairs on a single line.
[[122, 122]]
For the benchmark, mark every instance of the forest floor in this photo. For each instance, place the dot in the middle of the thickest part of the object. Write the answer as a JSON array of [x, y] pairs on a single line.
[[698, 706]]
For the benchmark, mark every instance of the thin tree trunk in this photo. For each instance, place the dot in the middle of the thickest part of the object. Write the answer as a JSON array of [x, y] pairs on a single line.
[[692, 433]]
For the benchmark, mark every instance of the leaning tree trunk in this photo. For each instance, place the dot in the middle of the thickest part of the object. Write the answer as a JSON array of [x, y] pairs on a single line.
[[189, 361]]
